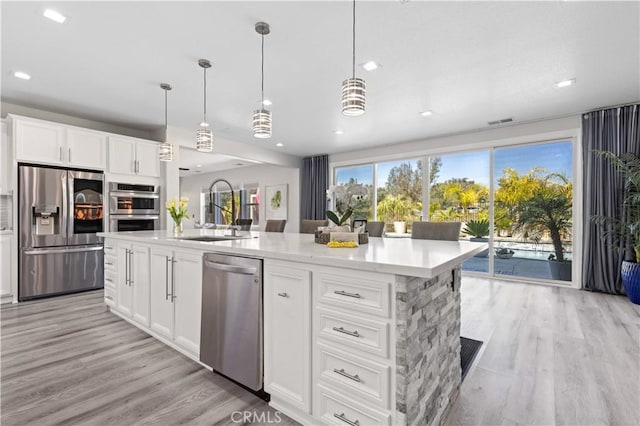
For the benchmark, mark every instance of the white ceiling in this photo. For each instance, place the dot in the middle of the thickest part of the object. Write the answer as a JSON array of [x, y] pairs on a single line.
[[469, 62], [193, 162]]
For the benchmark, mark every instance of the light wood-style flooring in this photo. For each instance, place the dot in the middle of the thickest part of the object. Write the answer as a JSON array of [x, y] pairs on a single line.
[[551, 356]]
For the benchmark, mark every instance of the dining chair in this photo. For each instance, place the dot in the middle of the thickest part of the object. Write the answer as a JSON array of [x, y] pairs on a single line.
[[309, 226], [375, 229], [275, 225], [444, 231], [244, 224]]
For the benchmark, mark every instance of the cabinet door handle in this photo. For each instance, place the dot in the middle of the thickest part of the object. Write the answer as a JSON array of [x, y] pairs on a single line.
[[173, 279], [60, 154], [341, 372], [126, 266], [130, 267], [283, 295], [69, 158], [350, 333], [344, 293], [166, 279], [344, 418]]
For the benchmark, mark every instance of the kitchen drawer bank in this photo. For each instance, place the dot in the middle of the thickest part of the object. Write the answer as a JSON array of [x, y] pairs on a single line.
[[352, 345]]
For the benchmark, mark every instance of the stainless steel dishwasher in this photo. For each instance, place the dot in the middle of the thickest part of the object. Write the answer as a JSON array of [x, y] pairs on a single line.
[[231, 332]]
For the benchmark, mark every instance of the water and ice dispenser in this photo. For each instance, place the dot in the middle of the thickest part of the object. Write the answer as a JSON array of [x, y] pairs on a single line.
[[46, 220]]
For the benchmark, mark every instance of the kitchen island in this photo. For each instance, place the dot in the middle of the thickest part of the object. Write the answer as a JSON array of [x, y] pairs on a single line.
[[366, 335]]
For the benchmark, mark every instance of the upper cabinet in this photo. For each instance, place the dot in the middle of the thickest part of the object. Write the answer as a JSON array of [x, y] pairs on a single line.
[[129, 156], [44, 142]]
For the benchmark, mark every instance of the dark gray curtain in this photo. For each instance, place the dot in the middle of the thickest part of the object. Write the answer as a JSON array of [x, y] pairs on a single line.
[[614, 130], [315, 182]]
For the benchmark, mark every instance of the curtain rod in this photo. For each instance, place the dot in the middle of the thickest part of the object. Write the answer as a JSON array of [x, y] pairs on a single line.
[[612, 107]]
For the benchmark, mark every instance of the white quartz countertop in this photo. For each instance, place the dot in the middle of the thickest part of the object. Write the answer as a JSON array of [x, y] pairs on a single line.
[[402, 256]]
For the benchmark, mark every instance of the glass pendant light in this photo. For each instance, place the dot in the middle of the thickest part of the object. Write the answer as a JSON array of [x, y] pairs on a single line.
[[204, 136], [353, 89], [166, 149], [262, 116]]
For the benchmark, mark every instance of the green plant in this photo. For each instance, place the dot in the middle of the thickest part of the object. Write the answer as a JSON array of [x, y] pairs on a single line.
[[626, 229], [339, 219], [477, 228], [548, 207], [178, 209]]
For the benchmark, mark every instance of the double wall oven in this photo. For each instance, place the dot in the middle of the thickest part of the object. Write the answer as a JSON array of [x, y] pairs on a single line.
[[133, 207]]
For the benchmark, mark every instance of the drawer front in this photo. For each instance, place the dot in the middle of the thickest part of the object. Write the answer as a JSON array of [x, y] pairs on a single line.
[[109, 296], [348, 330], [110, 279], [110, 262], [353, 293], [339, 410], [109, 247], [351, 374]]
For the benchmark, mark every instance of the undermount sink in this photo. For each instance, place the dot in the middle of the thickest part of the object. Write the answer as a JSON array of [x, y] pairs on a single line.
[[215, 238]]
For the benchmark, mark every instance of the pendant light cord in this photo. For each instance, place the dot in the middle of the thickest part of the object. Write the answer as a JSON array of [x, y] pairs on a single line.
[[165, 113], [262, 71], [354, 39], [205, 95]]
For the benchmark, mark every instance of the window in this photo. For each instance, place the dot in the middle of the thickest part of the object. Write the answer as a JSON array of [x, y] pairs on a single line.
[[247, 205], [399, 191], [348, 176]]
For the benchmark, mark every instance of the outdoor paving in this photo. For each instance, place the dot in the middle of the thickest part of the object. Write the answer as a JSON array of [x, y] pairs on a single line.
[[515, 266]]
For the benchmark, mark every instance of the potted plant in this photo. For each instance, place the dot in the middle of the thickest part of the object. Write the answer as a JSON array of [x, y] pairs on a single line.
[[549, 208], [342, 197], [396, 209], [625, 231], [478, 230], [340, 220]]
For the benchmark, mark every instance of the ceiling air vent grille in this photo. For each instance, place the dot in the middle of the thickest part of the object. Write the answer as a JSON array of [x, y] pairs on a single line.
[[502, 121]]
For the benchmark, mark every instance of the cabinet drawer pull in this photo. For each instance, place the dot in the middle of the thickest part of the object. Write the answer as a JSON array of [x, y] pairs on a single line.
[[344, 418], [108, 263], [108, 247], [108, 297], [283, 295], [344, 293], [109, 279], [341, 372], [350, 333]]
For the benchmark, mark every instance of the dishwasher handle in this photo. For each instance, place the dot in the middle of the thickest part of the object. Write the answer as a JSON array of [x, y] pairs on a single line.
[[231, 268]]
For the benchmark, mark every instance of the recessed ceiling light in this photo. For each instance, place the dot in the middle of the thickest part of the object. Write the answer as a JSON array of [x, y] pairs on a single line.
[[22, 75], [426, 113], [370, 66], [198, 165], [54, 16], [339, 132], [279, 144], [267, 102], [566, 83]]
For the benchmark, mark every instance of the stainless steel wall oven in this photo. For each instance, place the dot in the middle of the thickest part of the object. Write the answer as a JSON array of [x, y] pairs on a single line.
[[133, 207]]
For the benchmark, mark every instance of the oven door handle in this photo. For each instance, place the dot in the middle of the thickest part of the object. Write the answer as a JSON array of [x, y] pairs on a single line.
[[133, 194], [133, 217]]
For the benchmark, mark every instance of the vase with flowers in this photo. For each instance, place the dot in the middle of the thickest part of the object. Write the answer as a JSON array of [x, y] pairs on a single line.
[[177, 208]]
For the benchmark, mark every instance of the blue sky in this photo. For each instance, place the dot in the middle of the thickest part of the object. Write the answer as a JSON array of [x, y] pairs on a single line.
[[556, 157]]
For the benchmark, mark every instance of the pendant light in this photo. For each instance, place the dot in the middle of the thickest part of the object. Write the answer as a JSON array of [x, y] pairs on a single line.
[[353, 89], [262, 116], [166, 149], [204, 136]]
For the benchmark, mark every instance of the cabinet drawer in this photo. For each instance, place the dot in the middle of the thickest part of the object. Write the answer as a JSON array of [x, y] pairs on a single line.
[[109, 296], [109, 247], [339, 410], [348, 330], [351, 374], [110, 279], [110, 262], [354, 293]]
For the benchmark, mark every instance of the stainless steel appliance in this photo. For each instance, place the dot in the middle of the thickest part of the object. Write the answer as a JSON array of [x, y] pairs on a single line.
[[133, 207], [60, 212], [231, 331]]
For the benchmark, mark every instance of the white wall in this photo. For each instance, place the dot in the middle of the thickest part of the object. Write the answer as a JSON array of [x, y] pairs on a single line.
[[192, 186]]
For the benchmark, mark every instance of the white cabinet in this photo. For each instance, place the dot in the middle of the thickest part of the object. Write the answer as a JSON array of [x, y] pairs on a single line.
[[287, 340], [129, 156], [86, 149], [5, 160], [39, 142], [176, 294], [6, 263], [132, 289]]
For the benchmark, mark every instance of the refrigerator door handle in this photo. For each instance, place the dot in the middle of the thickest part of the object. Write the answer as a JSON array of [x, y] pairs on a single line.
[[65, 207], [63, 250]]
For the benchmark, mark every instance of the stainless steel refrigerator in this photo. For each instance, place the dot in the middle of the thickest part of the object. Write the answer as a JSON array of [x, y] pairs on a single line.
[[60, 212]]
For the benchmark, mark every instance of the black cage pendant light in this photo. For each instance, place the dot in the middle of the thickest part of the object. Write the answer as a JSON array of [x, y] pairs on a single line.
[[166, 149], [262, 116], [353, 89], [204, 136]]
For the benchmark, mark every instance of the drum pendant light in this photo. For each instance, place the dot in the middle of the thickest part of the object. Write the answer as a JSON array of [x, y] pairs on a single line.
[[166, 149], [262, 116], [353, 89], [204, 136]]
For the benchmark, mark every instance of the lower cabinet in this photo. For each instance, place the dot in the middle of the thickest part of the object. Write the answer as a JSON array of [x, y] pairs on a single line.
[[132, 289], [287, 340], [6, 264], [176, 296]]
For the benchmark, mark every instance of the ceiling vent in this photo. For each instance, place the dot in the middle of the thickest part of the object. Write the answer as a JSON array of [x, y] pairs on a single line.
[[504, 120], [183, 169]]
